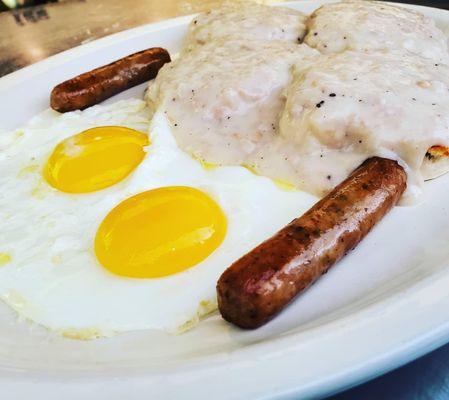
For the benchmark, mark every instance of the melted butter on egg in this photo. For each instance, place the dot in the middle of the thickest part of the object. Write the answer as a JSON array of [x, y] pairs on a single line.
[[5, 258], [160, 232], [84, 334], [280, 183], [204, 164], [205, 308], [285, 185], [95, 159], [29, 169], [39, 191]]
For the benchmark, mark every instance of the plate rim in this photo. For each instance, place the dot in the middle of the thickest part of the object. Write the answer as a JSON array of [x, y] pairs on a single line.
[[398, 353]]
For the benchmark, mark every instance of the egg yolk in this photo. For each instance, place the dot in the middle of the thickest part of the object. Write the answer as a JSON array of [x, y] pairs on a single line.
[[160, 232], [95, 159]]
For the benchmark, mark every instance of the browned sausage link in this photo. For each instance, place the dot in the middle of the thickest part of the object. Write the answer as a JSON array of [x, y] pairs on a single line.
[[97, 85], [261, 283]]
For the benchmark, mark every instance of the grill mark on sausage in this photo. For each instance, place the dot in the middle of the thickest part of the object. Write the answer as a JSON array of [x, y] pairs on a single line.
[[261, 283], [95, 86]]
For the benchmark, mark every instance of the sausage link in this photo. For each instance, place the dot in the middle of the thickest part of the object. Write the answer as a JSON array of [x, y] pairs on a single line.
[[261, 283], [93, 87]]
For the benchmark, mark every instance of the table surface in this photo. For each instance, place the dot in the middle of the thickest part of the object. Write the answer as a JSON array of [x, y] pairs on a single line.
[[30, 35]]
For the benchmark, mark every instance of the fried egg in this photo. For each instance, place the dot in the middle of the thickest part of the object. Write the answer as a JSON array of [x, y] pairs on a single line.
[[108, 226]]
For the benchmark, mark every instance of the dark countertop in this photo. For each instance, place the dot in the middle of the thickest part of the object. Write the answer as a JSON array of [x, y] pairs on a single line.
[[426, 378], [30, 35], [435, 3]]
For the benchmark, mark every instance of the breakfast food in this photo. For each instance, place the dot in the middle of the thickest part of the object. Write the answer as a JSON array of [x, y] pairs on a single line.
[[101, 253], [97, 85], [247, 21], [256, 287], [123, 216], [231, 102], [351, 106], [291, 114], [436, 162], [374, 26]]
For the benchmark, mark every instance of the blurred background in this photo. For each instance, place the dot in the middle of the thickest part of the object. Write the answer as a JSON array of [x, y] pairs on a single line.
[[10, 4], [31, 30]]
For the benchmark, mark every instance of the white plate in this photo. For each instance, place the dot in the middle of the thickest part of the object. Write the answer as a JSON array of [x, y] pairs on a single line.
[[383, 305]]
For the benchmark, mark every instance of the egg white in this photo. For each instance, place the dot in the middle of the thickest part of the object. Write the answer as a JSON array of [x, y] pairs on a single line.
[[51, 275]]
